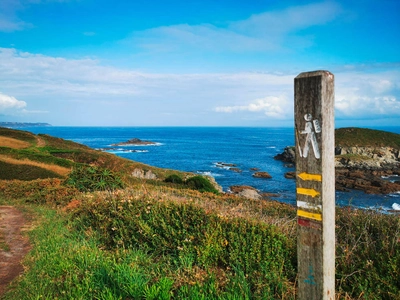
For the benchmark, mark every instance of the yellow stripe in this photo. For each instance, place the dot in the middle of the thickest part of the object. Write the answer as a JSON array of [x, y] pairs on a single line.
[[308, 215]]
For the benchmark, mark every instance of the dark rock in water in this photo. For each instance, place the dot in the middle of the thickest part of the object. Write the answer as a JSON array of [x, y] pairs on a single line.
[[288, 155], [254, 169], [290, 175], [364, 180], [269, 195], [134, 141], [237, 170], [262, 175]]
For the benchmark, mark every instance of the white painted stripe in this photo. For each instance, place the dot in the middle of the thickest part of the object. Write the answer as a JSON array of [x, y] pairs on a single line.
[[305, 204]]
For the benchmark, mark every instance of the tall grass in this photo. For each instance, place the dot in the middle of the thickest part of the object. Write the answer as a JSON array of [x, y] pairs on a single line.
[[258, 251], [368, 254]]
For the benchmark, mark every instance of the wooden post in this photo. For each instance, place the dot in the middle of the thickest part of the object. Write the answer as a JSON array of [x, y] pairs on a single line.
[[315, 184]]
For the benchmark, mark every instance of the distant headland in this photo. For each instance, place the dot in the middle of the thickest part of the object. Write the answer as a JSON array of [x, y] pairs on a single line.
[[22, 124]]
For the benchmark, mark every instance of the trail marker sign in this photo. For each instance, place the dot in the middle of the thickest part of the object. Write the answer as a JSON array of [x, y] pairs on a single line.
[[315, 184]]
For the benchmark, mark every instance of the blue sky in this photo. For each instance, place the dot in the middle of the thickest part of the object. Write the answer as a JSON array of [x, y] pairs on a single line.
[[195, 63]]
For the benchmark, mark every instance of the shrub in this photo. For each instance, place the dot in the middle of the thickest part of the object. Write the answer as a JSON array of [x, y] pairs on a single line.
[[174, 178], [201, 184], [186, 234], [89, 179]]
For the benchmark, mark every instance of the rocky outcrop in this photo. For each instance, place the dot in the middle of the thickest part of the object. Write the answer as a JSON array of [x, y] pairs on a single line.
[[249, 192], [144, 174], [262, 175], [290, 175], [288, 155], [360, 168], [134, 142], [245, 191], [364, 180]]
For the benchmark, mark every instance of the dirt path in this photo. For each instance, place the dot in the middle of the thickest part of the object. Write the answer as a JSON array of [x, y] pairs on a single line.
[[13, 245], [40, 142]]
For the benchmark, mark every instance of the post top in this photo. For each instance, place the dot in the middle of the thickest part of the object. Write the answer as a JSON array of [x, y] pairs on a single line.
[[315, 73]]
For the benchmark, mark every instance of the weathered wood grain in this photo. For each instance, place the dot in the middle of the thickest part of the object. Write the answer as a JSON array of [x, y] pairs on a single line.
[[315, 184]]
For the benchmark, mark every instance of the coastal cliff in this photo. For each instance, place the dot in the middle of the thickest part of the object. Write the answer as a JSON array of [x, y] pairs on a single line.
[[365, 159]]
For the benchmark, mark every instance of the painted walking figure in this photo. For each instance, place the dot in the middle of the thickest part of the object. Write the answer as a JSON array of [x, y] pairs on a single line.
[[310, 130]]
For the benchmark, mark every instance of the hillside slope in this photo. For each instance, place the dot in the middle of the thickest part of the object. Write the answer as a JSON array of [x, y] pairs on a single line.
[[26, 156], [364, 137]]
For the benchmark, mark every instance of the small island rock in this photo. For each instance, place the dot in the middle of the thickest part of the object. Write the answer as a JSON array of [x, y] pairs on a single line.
[[262, 175], [134, 141]]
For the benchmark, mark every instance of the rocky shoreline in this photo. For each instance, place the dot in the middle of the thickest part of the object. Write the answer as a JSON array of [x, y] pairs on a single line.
[[360, 168]]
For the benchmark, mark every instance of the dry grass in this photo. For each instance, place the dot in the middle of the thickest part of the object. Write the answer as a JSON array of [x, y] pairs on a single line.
[[54, 168], [13, 143]]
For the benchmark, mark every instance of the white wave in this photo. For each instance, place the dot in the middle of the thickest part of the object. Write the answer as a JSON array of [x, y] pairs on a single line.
[[133, 145], [271, 147], [225, 166], [208, 173], [119, 151]]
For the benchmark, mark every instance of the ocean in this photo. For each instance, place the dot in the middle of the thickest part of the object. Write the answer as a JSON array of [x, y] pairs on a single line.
[[201, 150]]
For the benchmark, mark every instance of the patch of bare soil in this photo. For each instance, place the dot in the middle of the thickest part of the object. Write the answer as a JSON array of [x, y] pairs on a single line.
[[14, 245], [40, 142]]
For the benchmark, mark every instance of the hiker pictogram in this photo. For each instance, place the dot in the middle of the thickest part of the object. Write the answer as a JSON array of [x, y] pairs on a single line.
[[310, 130]]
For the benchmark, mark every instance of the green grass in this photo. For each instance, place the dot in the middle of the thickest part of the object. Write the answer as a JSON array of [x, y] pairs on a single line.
[[72, 264], [156, 242], [363, 137], [24, 172]]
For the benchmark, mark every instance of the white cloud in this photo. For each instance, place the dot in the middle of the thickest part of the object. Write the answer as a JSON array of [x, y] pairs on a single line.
[[9, 102], [273, 107], [260, 32], [366, 95], [91, 91]]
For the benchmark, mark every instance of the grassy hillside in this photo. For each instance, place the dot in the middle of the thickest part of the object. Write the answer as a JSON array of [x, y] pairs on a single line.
[[43, 156], [170, 239], [363, 137]]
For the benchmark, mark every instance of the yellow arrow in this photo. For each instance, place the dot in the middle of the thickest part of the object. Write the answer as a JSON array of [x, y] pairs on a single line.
[[308, 192], [314, 177]]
